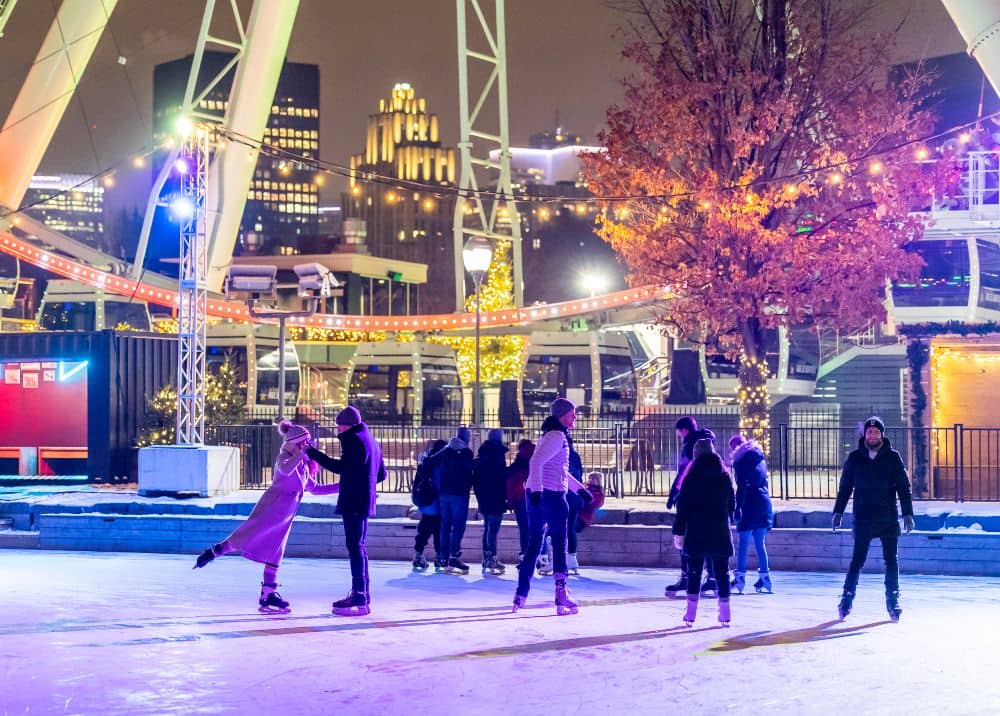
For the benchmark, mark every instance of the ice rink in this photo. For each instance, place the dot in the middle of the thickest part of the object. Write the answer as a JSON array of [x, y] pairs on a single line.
[[89, 633]]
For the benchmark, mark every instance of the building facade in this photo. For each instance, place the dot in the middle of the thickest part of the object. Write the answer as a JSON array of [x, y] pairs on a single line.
[[282, 207], [392, 190], [72, 204]]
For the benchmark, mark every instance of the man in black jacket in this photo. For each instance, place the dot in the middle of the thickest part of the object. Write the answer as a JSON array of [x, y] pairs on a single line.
[[360, 467], [688, 433], [455, 464], [876, 475]]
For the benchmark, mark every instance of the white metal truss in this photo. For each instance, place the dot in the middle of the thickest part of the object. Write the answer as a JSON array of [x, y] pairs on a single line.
[[6, 8], [259, 46], [192, 313], [493, 213]]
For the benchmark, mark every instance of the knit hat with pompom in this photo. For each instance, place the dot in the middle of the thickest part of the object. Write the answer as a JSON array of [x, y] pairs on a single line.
[[290, 431]]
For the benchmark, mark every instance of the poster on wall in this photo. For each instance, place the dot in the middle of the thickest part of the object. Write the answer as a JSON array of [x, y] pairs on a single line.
[[29, 381], [12, 374]]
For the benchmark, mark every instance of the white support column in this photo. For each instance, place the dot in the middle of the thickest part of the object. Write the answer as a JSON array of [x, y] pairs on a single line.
[[979, 23], [192, 318], [47, 91], [476, 143], [6, 8]]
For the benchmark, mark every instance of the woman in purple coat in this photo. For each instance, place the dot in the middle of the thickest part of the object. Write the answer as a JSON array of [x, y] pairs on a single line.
[[264, 535]]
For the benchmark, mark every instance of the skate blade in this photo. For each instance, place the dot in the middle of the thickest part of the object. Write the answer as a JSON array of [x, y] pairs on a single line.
[[352, 611], [688, 623], [723, 624], [562, 610], [274, 610]]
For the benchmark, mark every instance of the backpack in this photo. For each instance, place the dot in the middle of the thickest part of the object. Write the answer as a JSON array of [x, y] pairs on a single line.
[[423, 491]]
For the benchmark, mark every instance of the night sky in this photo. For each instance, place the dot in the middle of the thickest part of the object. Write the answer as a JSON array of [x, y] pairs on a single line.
[[562, 55]]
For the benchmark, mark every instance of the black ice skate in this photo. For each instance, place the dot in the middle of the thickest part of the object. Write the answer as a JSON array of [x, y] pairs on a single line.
[[491, 565], [440, 566], [204, 558], [564, 605], [892, 606], [846, 602], [457, 566], [271, 602], [420, 564], [680, 585], [355, 604], [710, 588]]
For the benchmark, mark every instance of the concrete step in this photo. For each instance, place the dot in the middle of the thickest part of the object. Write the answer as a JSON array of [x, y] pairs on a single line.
[[6, 523], [20, 539]]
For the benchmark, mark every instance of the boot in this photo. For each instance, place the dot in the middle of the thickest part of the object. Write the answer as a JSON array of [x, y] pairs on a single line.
[[544, 563], [692, 609], [724, 611], [440, 565], [763, 584], [487, 562], [892, 605], [519, 601], [496, 566], [564, 605], [204, 558], [680, 585], [846, 602], [572, 565], [457, 566], [270, 601], [420, 563], [355, 604], [739, 581]]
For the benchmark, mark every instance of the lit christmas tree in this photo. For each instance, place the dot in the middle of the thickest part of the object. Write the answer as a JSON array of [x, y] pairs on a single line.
[[225, 401], [500, 356]]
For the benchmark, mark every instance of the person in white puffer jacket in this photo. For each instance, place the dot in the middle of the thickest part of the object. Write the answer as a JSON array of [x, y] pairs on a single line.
[[545, 492]]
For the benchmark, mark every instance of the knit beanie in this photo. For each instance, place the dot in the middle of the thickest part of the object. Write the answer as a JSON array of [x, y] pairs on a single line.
[[349, 417], [290, 431], [702, 447], [495, 434], [464, 435], [561, 406], [875, 422]]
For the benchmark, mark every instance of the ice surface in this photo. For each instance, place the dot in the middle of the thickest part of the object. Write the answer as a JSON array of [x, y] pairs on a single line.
[[100, 633]]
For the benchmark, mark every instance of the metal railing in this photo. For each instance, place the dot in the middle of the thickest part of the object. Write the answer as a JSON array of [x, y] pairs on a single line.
[[639, 459]]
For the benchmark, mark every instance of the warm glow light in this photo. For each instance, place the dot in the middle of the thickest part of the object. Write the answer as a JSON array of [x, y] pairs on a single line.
[[922, 153], [139, 162], [836, 178], [108, 181], [477, 254], [390, 197], [356, 190], [428, 204], [319, 180], [184, 126], [964, 137], [875, 167], [284, 169]]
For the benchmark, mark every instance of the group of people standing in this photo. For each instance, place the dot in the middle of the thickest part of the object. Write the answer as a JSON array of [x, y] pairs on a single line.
[[543, 488]]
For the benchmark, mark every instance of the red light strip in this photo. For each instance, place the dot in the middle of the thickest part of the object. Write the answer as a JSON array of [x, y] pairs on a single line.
[[217, 308]]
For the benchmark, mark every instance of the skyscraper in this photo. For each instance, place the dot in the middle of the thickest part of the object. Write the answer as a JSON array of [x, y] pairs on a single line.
[[72, 204], [283, 201], [392, 188]]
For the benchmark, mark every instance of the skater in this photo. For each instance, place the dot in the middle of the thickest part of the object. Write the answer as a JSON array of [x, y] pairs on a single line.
[[264, 535], [754, 514], [705, 506], [490, 485], [575, 504], [360, 467], [546, 488], [430, 513], [876, 475], [455, 465], [688, 433], [517, 475]]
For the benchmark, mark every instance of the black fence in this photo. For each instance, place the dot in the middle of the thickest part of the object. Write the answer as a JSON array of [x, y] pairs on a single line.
[[639, 458]]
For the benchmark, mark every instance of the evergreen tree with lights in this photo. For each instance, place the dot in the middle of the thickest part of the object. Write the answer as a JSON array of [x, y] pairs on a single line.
[[770, 172], [225, 403]]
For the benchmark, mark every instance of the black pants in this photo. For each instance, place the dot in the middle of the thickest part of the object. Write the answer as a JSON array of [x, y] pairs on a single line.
[[862, 542], [355, 531], [428, 527], [686, 563], [718, 568]]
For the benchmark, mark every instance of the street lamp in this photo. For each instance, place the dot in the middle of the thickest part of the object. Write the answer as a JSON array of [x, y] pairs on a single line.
[[595, 283], [476, 256]]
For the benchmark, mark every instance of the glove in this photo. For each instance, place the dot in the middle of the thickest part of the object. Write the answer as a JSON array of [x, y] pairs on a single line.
[[312, 452], [584, 494], [838, 517], [679, 542], [908, 523], [535, 498]]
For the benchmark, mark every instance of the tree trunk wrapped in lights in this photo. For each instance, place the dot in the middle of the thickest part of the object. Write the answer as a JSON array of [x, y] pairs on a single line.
[[753, 400], [500, 356], [768, 172]]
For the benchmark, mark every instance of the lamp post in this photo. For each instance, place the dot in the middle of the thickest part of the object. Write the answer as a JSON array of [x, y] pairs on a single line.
[[476, 256], [594, 283]]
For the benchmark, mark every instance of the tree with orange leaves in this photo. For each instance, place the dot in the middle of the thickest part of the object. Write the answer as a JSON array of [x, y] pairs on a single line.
[[770, 171]]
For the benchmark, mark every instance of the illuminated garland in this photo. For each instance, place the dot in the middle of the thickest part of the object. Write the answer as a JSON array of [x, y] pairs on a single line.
[[754, 401], [949, 328], [917, 355]]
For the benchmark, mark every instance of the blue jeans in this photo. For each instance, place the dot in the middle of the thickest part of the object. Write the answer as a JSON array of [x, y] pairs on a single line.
[[454, 514], [758, 545], [491, 528], [523, 534], [553, 511]]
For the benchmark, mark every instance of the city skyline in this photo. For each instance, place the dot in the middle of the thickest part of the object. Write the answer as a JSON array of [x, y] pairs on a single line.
[[563, 56]]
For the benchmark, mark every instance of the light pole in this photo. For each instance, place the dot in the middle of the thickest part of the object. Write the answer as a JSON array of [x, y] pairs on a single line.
[[477, 255], [595, 283]]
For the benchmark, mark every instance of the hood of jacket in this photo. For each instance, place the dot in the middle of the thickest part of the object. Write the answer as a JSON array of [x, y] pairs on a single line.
[[694, 436], [456, 444], [750, 447]]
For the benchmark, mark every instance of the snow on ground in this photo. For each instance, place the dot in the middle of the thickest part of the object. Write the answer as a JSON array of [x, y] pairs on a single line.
[[100, 633]]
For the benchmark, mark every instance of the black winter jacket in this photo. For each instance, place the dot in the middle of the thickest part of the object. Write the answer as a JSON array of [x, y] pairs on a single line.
[[455, 463], [704, 509], [360, 467], [489, 474], [753, 503], [876, 484], [685, 458]]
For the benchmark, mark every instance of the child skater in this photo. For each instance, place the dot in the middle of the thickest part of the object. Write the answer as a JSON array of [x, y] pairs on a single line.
[[262, 538]]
